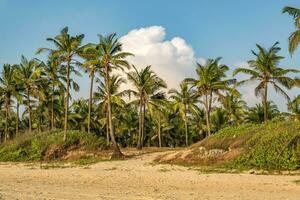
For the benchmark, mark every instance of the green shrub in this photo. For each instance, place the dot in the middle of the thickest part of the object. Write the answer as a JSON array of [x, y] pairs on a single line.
[[32, 147]]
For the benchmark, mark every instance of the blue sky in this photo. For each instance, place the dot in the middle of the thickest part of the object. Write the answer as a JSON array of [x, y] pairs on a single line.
[[213, 28]]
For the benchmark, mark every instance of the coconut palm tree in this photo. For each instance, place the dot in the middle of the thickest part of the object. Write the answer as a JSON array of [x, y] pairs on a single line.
[[147, 86], [29, 73], [8, 90], [294, 107], [184, 100], [264, 69], [111, 57], [101, 96], [256, 114], [234, 106], [294, 38], [56, 76], [211, 81], [67, 47]]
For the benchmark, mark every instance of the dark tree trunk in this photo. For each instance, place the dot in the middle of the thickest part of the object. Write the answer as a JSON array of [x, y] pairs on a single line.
[[52, 107], [186, 128], [139, 143], [159, 133], [67, 101], [29, 109], [90, 101], [265, 102], [207, 115], [17, 119], [117, 154]]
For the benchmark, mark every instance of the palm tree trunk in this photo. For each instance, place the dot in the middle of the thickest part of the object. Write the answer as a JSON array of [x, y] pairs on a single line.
[[6, 120], [17, 119], [139, 143], [90, 100], [143, 125], [67, 101], [107, 129], [116, 150], [159, 132], [52, 107], [265, 102], [29, 109], [207, 115], [186, 129]]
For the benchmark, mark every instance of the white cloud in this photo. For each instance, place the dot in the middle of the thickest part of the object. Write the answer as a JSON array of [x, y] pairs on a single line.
[[173, 60]]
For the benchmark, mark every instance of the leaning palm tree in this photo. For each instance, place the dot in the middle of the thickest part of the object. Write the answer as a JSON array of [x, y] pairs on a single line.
[[185, 100], [211, 82], [110, 57], [294, 38], [29, 73], [264, 69], [7, 90], [66, 48], [147, 87]]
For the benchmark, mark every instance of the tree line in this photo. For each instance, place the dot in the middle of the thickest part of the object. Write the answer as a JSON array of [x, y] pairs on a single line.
[[147, 113]]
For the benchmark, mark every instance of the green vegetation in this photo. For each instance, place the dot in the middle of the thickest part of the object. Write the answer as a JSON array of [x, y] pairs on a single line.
[[207, 107], [272, 146], [48, 146]]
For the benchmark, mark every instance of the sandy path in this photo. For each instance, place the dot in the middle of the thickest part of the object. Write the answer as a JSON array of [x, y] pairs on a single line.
[[138, 179]]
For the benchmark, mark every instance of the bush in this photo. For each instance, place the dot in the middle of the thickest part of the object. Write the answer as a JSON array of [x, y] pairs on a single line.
[[32, 147]]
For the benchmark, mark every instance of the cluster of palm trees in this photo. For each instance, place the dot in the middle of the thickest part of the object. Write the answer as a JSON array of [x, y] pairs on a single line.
[[146, 113]]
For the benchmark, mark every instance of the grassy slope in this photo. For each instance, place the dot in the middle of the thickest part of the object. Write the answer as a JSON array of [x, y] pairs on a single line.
[[272, 146], [48, 146]]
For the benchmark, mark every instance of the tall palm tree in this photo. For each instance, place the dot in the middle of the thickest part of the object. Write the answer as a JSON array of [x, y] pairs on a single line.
[[101, 96], [264, 69], [56, 75], [147, 87], [7, 89], [111, 57], [92, 65], [294, 38], [184, 100], [211, 82], [66, 48], [158, 109], [29, 73]]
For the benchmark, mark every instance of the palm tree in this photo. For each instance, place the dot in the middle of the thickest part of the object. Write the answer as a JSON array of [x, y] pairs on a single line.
[[256, 114], [294, 38], [29, 73], [234, 106], [101, 96], [93, 56], [147, 87], [66, 48], [211, 82], [55, 74], [158, 109], [111, 57], [264, 69], [7, 89], [184, 100], [294, 107]]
